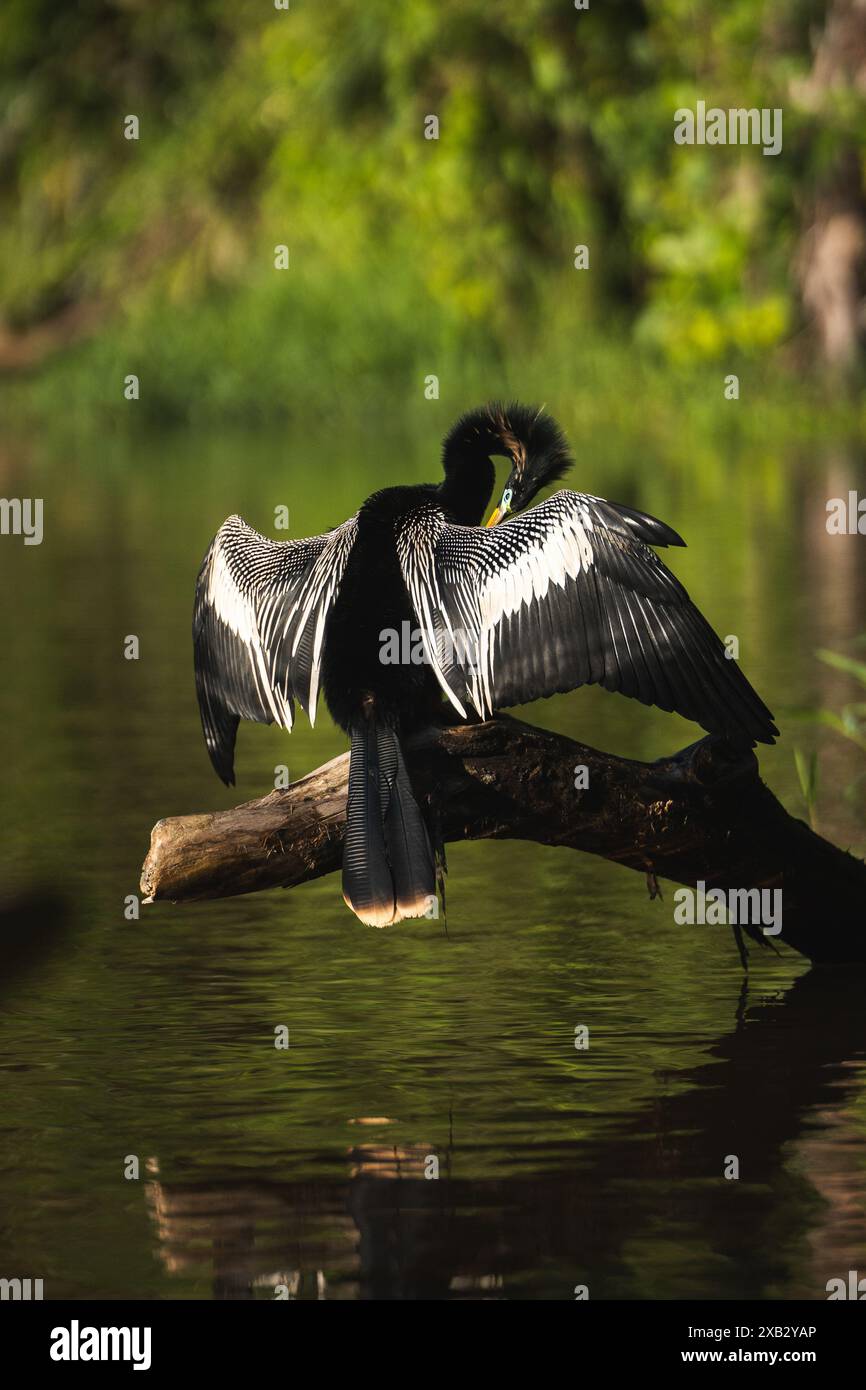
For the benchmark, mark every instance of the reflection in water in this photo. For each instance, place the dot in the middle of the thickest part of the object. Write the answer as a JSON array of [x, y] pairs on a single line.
[[784, 1076]]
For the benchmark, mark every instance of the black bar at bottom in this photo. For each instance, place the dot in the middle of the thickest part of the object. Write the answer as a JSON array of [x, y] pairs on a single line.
[[82, 1338]]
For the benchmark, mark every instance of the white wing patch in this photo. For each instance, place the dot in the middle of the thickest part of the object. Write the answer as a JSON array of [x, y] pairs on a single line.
[[234, 608], [259, 628], [489, 575]]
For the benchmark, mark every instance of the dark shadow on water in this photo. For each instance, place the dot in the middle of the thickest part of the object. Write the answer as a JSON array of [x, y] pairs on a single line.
[[780, 1078], [33, 926]]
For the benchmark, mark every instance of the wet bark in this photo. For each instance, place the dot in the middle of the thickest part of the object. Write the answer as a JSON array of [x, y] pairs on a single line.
[[701, 815]]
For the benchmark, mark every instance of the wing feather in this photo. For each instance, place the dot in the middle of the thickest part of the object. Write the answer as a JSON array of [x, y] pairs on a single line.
[[259, 626], [565, 594]]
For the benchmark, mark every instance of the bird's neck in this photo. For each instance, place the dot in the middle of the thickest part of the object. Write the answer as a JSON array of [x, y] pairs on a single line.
[[468, 484]]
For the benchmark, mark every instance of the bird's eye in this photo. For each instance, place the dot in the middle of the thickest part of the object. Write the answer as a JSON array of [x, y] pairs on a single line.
[[506, 497]]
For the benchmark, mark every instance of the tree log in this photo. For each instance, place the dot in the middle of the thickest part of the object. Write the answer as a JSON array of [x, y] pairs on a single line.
[[702, 814]]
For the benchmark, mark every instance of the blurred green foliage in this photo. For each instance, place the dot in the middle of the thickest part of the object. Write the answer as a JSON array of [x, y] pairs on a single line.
[[261, 126], [850, 721]]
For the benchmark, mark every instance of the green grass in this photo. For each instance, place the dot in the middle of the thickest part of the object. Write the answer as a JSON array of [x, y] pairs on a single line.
[[268, 352]]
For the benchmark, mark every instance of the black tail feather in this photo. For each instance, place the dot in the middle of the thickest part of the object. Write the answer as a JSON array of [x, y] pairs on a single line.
[[406, 838], [368, 888], [388, 868]]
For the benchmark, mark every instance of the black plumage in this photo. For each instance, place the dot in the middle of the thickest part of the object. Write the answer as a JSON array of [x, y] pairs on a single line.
[[567, 593]]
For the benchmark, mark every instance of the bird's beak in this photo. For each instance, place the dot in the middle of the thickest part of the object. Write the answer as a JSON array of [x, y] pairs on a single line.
[[502, 511]]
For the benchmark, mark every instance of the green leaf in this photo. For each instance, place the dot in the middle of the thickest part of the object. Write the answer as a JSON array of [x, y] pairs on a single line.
[[807, 772]]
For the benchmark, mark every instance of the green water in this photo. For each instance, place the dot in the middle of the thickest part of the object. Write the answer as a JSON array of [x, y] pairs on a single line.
[[155, 1037]]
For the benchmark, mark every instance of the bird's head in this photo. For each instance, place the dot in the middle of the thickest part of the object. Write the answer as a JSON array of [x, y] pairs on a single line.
[[537, 450], [532, 442]]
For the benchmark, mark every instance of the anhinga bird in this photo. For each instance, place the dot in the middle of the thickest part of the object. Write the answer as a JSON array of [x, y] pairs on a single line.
[[565, 594]]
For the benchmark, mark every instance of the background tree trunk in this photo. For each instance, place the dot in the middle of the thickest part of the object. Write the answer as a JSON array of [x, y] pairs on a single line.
[[832, 259]]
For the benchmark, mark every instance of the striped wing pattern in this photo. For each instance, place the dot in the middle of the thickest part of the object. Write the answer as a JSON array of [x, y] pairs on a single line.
[[261, 609], [566, 594]]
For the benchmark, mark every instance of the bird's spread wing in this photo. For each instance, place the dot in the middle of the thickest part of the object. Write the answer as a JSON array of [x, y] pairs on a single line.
[[565, 594], [261, 608]]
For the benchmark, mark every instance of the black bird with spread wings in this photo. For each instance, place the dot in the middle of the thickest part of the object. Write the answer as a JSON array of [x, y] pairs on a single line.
[[411, 601]]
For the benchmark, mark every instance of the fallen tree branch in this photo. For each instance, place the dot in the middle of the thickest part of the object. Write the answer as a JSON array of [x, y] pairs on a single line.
[[701, 815]]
